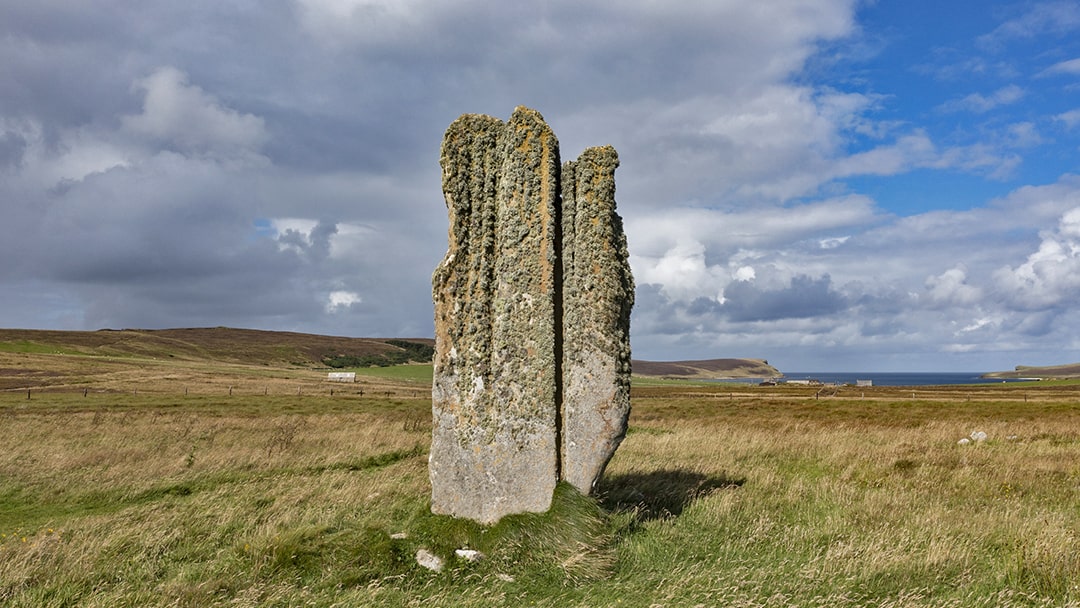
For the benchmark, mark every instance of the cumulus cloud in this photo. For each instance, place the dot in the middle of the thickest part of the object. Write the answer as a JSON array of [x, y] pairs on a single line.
[[1050, 276], [180, 115], [950, 288]]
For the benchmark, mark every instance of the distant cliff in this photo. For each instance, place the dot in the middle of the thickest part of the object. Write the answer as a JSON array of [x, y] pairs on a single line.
[[1047, 372], [707, 369]]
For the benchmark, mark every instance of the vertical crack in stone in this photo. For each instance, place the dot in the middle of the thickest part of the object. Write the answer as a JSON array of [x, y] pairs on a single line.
[[559, 331], [532, 301]]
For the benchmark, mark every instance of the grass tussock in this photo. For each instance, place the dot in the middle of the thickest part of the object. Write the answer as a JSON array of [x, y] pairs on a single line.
[[715, 498]]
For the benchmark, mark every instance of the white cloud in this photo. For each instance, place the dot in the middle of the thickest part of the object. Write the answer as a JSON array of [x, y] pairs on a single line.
[[1051, 275], [681, 271], [1070, 118], [1054, 17], [693, 253], [981, 323], [744, 273], [1072, 66], [657, 230], [1023, 135], [979, 103], [180, 114], [951, 288], [341, 300], [909, 151]]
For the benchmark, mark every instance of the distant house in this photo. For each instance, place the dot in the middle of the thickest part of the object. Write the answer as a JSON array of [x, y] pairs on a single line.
[[341, 377], [864, 383], [810, 382]]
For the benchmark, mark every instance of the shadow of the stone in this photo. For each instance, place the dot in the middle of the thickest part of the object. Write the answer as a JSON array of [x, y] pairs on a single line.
[[659, 494]]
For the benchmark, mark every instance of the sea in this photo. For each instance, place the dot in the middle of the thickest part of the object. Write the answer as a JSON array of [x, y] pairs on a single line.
[[892, 378]]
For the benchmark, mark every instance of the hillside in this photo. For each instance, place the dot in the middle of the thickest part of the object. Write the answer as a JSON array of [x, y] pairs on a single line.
[[708, 368], [1056, 372], [223, 344], [27, 357]]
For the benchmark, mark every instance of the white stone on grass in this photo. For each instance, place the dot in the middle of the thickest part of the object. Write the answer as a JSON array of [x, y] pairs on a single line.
[[469, 555], [429, 560]]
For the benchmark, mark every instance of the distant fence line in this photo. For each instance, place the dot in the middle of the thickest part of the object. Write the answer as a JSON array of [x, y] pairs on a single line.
[[231, 391]]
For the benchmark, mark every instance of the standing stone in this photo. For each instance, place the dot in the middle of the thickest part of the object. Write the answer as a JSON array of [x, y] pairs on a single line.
[[598, 293], [494, 442], [532, 303]]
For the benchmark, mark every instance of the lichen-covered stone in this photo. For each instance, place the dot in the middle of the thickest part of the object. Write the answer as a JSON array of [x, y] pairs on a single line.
[[598, 293], [494, 442], [532, 304]]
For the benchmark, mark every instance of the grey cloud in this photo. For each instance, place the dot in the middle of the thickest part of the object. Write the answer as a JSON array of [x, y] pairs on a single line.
[[1037, 324], [804, 297], [12, 147]]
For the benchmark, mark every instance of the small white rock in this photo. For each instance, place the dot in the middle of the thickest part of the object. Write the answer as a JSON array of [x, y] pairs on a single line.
[[964, 441], [399, 535], [978, 436], [429, 560], [470, 555]]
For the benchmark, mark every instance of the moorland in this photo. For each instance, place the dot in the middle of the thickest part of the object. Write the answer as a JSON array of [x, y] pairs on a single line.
[[176, 472]]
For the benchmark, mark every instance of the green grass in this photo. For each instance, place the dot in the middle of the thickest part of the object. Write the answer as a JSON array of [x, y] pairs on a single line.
[[27, 346], [647, 381], [411, 373]]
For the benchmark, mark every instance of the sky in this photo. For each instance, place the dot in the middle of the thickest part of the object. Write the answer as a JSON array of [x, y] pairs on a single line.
[[832, 185]]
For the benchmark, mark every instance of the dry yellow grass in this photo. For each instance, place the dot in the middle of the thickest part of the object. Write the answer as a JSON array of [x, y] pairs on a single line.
[[140, 495]]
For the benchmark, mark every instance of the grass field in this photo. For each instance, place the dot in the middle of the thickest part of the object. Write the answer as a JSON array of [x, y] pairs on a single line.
[[201, 484]]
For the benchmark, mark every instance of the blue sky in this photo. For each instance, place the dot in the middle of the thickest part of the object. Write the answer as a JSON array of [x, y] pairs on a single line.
[[828, 184]]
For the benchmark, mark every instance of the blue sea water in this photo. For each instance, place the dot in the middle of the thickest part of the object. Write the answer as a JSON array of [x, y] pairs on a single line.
[[895, 378]]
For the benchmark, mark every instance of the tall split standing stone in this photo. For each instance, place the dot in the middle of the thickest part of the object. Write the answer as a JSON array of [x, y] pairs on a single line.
[[532, 314]]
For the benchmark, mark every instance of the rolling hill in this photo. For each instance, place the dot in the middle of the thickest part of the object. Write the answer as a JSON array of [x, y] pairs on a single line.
[[1046, 372], [707, 369], [224, 344]]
